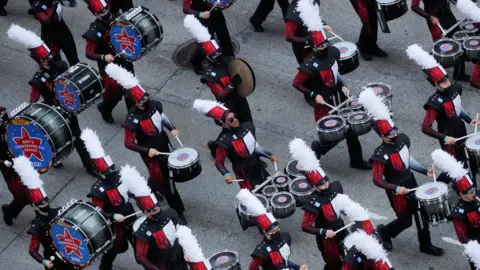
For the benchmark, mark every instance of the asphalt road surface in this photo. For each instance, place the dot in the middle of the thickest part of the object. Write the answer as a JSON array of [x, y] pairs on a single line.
[[279, 112]]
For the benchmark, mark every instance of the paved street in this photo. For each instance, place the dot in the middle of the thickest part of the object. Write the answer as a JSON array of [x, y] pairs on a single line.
[[279, 112]]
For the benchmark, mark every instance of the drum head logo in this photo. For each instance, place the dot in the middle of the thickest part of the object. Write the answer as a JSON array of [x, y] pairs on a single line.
[[477, 141], [358, 116], [70, 244], [446, 47], [343, 49], [303, 185], [281, 180], [26, 139], [431, 191], [331, 123], [222, 260], [353, 103], [474, 42], [377, 90], [469, 26], [126, 41], [67, 97], [183, 156], [282, 199]]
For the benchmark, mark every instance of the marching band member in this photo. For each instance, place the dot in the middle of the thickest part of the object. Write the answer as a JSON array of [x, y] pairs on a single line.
[[110, 195], [367, 41], [144, 124], [318, 77], [12, 179], [392, 165], [55, 31], [322, 214], [444, 106], [238, 143], [117, 5], [263, 9], [157, 246], [466, 214], [193, 252], [472, 12], [98, 49], [274, 250], [216, 24]]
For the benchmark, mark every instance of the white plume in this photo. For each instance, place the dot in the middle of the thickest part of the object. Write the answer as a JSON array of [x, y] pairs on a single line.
[[469, 9], [340, 203], [309, 13], [374, 105], [366, 244], [355, 212], [421, 57], [23, 36], [196, 29], [204, 106], [121, 75], [189, 244], [472, 250], [92, 143], [134, 181], [254, 206], [123, 190], [29, 176], [305, 156], [447, 163]]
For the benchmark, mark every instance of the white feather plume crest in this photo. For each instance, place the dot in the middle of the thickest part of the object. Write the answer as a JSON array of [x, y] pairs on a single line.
[[421, 57], [123, 190], [355, 212], [374, 104], [204, 106], [472, 250], [23, 36], [469, 9], [340, 203], [309, 13], [92, 143], [304, 155], [29, 176], [253, 205], [134, 181], [189, 244], [366, 244], [196, 29], [122, 76], [447, 163]]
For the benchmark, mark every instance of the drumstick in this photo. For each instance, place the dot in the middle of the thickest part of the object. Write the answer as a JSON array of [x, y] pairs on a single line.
[[344, 227], [476, 124], [178, 139], [118, 54], [214, 6], [340, 105], [413, 189], [467, 136], [238, 180], [275, 163], [441, 29], [333, 108], [163, 153], [134, 214], [336, 36], [434, 176]]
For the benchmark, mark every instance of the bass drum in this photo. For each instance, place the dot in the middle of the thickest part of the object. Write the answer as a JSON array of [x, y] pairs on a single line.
[[447, 52], [349, 60], [225, 260], [41, 133]]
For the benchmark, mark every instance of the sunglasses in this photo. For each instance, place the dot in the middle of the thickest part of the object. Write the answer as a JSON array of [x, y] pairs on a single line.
[[231, 119]]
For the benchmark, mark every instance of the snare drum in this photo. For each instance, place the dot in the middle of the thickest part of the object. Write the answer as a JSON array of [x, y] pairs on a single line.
[[41, 133], [393, 9], [348, 57], [185, 164], [135, 32], [470, 27], [80, 234], [473, 146], [345, 112], [471, 47], [293, 170], [360, 123], [460, 36], [225, 260], [246, 215], [331, 128], [354, 105], [435, 202], [269, 190], [447, 52], [78, 87], [281, 182], [301, 190], [382, 90], [283, 204]]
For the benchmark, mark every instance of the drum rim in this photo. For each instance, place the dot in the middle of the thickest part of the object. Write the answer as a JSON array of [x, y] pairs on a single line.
[[470, 38], [450, 54], [288, 170], [178, 167], [477, 136], [344, 126], [272, 193], [355, 52], [274, 206], [226, 250], [293, 191], [280, 185], [369, 119]]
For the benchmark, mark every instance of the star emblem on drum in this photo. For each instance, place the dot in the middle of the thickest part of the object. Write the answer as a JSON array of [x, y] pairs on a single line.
[[67, 96], [126, 41], [71, 244], [29, 145]]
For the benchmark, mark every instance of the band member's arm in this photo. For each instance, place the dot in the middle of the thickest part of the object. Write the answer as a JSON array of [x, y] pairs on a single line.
[[166, 122], [417, 9], [378, 171], [34, 247], [307, 224], [293, 265], [141, 255], [219, 91], [259, 150], [35, 93], [187, 8], [221, 155], [299, 83], [91, 51], [256, 263], [461, 230], [129, 141], [290, 29], [44, 18], [464, 115], [414, 165], [427, 129]]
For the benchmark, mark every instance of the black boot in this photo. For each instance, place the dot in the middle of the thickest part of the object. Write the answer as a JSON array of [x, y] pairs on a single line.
[[256, 27], [386, 240], [315, 145], [426, 244], [3, 12], [92, 172], [107, 116], [182, 218], [213, 148], [7, 218], [362, 165], [379, 52]]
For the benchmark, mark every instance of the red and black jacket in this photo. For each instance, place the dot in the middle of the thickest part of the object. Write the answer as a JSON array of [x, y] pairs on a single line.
[[273, 255], [466, 220], [437, 8], [106, 196]]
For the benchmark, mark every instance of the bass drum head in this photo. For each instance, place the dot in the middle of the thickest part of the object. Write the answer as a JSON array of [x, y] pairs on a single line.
[[430, 191], [269, 190], [473, 143], [182, 157], [347, 49], [359, 117], [330, 123], [461, 35], [354, 104], [282, 200], [224, 260], [66, 92], [301, 186], [446, 47], [70, 243], [472, 43], [125, 38]]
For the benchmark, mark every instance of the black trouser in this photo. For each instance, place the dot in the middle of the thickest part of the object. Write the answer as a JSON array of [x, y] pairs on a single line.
[[265, 7], [59, 37], [117, 5], [353, 145], [109, 257], [241, 108], [367, 41], [14, 208], [78, 143]]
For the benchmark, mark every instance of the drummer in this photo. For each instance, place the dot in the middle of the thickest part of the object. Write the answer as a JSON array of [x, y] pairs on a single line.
[[238, 143], [444, 106], [145, 135], [274, 250], [320, 218], [392, 165], [437, 13], [322, 81], [98, 48]]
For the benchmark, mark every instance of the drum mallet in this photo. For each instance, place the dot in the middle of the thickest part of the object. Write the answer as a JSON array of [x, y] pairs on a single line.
[[118, 54], [134, 214], [238, 180], [178, 139], [344, 227]]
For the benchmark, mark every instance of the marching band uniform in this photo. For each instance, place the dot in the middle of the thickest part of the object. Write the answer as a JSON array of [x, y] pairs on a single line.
[[191, 248], [318, 75], [156, 242], [238, 144], [263, 9], [322, 212], [274, 251], [97, 48], [392, 165], [55, 31]]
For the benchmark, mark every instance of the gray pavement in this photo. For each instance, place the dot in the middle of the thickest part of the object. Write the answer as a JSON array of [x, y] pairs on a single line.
[[280, 114]]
